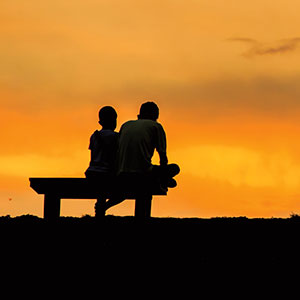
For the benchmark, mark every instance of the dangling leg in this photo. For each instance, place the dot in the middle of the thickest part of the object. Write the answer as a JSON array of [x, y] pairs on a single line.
[[114, 200]]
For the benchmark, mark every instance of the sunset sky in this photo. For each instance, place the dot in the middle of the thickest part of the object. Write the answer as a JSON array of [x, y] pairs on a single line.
[[225, 75]]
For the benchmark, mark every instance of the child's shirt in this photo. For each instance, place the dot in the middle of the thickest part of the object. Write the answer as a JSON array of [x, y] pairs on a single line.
[[103, 146]]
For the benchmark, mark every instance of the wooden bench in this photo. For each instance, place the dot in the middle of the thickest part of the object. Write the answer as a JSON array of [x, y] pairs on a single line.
[[55, 189]]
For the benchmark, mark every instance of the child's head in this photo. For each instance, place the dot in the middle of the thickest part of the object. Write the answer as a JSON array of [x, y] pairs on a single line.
[[108, 117], [149, 110]]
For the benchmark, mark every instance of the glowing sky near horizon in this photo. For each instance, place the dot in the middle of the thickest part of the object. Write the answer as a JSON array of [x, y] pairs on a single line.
[[225, 75]]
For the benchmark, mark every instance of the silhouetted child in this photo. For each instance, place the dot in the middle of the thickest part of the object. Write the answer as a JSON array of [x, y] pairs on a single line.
[[103, 146], [137, 142]]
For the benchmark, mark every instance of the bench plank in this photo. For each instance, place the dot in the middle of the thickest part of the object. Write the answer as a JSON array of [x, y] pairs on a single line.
[[82, 188]]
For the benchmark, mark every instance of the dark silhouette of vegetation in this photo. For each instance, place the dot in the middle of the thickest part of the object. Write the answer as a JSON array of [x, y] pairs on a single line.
[[160, 256], [205, 242]]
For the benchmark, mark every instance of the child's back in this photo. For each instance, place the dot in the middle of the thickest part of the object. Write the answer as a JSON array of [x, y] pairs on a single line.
[[104, 145]]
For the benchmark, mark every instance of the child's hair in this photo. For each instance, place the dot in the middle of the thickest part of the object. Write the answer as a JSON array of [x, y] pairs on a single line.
[[149, 110], [108, 117]]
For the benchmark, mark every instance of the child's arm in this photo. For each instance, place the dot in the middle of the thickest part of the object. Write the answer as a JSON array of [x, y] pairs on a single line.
[[163, 158], [161, 145]]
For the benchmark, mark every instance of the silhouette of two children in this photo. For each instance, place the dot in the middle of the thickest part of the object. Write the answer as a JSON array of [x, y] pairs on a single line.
[[130, 152]]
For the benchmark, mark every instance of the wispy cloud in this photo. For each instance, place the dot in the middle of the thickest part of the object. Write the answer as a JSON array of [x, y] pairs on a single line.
[[257, 48]]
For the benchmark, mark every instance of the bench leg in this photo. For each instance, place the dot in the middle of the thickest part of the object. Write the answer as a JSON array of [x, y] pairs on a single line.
[[51, 207], [143, 206], [100, 208]]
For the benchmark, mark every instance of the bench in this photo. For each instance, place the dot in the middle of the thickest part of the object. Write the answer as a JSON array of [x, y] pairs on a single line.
[[55, 189]]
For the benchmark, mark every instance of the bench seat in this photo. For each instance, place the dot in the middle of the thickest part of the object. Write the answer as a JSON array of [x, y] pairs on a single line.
[[56, 189]]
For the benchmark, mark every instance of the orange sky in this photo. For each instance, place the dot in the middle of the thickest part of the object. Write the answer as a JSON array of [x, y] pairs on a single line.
[[224, 73]]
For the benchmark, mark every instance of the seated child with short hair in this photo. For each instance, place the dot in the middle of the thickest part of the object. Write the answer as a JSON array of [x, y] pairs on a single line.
[[103, 146]]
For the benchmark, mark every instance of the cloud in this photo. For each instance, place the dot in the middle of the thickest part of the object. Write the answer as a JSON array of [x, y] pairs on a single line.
[[260, 48]]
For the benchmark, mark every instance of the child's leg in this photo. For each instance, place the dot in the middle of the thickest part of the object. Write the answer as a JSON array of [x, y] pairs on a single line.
[[166, 173], [172, 170], [113, 201]]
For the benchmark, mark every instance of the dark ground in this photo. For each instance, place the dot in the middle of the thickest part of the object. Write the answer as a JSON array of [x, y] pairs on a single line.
[[162, 251]]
